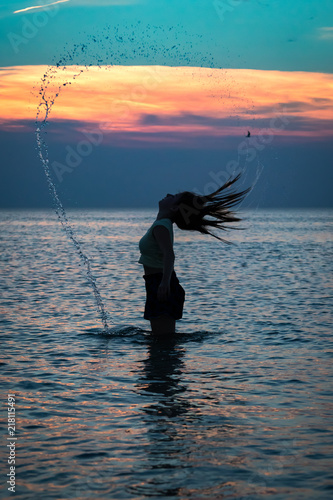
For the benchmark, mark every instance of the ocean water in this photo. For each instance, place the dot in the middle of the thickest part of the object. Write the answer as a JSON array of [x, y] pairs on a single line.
[[237, 404]]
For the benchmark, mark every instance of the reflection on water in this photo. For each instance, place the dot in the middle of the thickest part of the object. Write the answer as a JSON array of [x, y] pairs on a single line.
[[160, 380], [161, 375], [238, 404]]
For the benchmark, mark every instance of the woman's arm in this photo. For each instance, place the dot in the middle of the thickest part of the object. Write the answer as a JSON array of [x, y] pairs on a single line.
[[162, 236]]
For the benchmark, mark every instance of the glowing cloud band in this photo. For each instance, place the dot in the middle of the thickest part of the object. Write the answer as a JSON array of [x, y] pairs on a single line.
[[164, 99]]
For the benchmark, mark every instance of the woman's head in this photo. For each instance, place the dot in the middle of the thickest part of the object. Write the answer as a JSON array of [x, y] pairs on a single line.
[[170, 202], [190, 210]]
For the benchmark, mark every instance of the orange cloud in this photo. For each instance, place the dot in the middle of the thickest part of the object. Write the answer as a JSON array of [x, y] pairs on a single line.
[[150, 99]]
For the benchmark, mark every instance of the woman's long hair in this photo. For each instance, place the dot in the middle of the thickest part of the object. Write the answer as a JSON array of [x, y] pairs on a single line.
[[194, 208]]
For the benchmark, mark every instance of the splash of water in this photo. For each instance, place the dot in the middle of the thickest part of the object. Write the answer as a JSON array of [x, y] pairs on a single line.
[[82, 55], [46, 106], [122, 50]]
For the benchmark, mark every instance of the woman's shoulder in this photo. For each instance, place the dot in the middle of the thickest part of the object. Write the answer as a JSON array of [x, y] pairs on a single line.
[[163, 222]]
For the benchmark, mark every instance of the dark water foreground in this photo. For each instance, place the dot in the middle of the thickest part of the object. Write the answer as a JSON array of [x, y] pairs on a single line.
[[237, 405]]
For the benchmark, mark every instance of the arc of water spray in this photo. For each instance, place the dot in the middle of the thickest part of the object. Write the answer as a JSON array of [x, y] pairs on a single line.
[[45, 106], [59, 208]]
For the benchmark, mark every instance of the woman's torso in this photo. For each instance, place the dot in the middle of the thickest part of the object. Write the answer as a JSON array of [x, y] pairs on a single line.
[[151, 255]]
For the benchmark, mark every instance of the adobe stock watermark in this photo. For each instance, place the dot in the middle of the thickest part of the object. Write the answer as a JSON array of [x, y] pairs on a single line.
[[11, 476], [150, 81], [223, 7], [249, 148], [32, 23], [76, 154]]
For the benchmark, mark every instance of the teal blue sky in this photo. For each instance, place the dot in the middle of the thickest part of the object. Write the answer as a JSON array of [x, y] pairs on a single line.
[[282, 35], [259, 34]]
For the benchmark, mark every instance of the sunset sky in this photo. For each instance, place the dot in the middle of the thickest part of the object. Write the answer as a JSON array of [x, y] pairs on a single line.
[[151, 96]]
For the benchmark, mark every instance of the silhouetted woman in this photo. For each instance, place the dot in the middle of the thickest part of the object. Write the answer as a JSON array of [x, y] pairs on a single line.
[[165, 295]]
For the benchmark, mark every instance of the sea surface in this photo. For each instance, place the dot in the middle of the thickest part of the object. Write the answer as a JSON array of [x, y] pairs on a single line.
[[236, 405]]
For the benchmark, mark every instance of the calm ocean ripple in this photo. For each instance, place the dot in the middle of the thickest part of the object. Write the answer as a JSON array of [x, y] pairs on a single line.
[[237, 405]]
